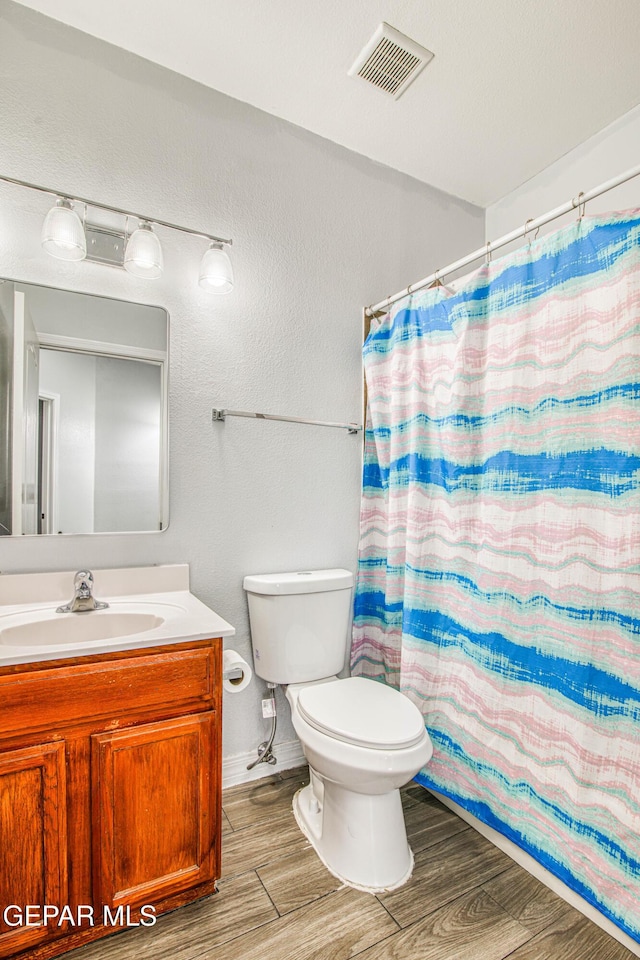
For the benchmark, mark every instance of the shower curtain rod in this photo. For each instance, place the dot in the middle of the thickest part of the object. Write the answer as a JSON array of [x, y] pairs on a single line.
[[489, 247]]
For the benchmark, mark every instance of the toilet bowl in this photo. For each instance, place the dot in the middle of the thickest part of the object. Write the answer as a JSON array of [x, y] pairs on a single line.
[[362, 739]]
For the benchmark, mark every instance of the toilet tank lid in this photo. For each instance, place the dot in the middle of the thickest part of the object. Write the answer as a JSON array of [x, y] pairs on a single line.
[[300, 581]]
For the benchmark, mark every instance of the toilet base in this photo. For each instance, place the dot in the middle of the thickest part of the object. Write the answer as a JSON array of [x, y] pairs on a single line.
[[361, 839]]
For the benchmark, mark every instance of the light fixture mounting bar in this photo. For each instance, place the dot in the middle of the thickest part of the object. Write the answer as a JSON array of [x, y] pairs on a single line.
[[105, 246], [111, 209]]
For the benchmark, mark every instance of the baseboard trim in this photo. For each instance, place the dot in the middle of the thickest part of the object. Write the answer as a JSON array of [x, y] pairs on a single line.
[[532, 866], [234, 769]]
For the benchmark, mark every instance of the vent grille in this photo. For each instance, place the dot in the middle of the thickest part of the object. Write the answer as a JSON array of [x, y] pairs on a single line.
[[391, 61], [389, 66]]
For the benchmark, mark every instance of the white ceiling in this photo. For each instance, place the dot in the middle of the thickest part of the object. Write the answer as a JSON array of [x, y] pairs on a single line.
[[514, 84]]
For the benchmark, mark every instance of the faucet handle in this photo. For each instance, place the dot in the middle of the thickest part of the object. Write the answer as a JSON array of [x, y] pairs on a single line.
[[83, 599], [83, 583]]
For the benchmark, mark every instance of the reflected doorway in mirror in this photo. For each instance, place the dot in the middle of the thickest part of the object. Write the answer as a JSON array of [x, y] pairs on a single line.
[[83, 413]]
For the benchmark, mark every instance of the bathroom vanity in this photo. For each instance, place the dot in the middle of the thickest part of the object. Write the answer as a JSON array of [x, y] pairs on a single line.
[[110, 768]]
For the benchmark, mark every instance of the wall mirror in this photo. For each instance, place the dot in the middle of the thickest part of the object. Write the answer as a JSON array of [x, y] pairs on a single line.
[[83, 413]]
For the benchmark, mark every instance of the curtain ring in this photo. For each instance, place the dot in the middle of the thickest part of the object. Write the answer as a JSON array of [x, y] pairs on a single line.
[[488, 255], [581, 205], [526, 231]]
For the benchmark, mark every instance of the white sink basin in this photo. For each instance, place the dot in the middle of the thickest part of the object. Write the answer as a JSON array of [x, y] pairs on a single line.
[[76, 628], [148, 606]]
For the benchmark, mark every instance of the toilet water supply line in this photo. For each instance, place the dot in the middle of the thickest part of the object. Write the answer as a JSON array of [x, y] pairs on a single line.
[[265, 754]]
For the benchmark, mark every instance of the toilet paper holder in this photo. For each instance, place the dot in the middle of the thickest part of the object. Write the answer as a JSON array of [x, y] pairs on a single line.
[[235, 673]]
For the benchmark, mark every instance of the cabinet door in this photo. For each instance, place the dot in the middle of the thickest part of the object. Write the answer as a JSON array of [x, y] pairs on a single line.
[[155, 809], [33, 843]]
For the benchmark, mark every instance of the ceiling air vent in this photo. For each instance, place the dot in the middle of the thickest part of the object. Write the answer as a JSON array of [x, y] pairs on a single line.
[[390, 61]]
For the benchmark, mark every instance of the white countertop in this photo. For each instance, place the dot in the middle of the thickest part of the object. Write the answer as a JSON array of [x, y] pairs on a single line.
[[129, 592]]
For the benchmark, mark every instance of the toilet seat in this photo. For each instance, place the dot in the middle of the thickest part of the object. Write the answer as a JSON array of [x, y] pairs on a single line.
[[362, 712]]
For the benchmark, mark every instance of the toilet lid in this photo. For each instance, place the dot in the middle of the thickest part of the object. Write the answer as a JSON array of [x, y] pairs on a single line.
[[362, 712]]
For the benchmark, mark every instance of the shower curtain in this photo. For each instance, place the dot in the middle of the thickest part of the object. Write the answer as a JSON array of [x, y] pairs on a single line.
[[499, 554]]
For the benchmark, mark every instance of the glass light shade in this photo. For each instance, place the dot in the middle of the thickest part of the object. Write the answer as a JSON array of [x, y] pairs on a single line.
[[63, 234], [216, 272], [143, 253]]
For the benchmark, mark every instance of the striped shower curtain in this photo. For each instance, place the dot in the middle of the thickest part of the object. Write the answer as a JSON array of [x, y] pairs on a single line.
[[498, 580]]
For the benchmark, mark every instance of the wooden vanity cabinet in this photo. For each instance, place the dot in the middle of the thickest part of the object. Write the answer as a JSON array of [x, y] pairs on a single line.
[[33, 838], [110, 792]]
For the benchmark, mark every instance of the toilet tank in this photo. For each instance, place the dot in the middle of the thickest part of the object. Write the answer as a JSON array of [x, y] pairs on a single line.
[[299, 623]]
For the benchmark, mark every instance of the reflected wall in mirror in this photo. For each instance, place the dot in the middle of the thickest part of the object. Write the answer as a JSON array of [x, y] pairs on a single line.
[[83, 413]]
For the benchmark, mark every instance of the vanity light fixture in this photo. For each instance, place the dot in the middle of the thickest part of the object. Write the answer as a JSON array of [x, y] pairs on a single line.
[[63, 232], [216, 272], [143, 253], [67, 237]]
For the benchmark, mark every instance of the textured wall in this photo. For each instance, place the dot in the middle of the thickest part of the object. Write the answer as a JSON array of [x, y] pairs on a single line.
[[600, 158], [318, 232]]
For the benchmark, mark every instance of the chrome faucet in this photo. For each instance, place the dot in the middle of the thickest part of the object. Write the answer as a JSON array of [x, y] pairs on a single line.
[[83, 600]]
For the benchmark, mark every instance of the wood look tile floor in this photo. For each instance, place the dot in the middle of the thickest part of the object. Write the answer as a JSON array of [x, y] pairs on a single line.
[[466, 899]]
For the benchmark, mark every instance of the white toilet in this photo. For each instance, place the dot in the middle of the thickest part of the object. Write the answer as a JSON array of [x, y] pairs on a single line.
[[363, 740]]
